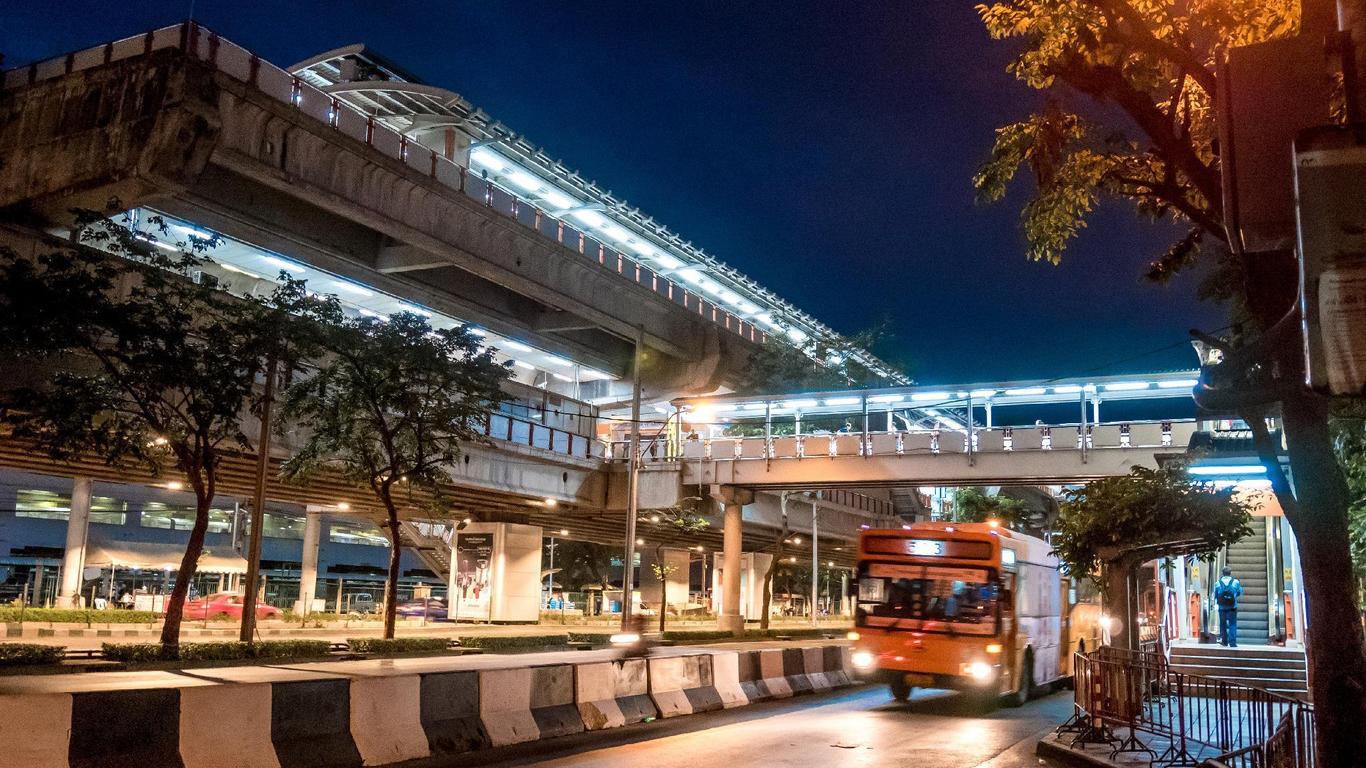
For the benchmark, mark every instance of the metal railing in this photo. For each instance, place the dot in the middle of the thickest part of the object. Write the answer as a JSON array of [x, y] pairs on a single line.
[[241, 64], [500, 426], [1122, 695]]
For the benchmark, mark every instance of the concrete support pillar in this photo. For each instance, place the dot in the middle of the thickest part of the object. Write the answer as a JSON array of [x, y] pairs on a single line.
[[77, 532], [677, 560], [735, 500], [308, 570]]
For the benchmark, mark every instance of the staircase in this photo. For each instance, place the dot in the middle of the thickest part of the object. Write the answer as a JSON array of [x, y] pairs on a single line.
[[1247, 558], [1273, 668], [429, 542]]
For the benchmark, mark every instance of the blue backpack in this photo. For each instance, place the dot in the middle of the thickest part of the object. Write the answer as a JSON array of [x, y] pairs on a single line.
[[1226, 595]]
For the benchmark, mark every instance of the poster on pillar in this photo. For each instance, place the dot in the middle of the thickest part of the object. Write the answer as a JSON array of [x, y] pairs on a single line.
[[472, 576]]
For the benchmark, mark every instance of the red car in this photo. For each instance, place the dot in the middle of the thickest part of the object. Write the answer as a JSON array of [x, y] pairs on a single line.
[[225, 603]]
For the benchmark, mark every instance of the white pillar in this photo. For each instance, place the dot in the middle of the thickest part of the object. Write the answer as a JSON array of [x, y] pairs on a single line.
[[308, 570], [77, 532], [1183, 611], [735, 500]]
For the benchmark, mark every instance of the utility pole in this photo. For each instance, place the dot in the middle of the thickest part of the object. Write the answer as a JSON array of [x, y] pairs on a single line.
[[258, 505], [628, 565]]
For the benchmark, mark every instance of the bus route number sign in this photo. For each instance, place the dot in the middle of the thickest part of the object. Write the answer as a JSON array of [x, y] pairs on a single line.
[[925, 547]]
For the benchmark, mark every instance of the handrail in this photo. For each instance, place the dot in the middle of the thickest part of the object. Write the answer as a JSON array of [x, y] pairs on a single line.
[[239, 63], [1120, 694]]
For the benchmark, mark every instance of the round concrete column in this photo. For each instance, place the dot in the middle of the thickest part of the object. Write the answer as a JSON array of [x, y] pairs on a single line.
[[735, 500], [77, 533], [308, 562]]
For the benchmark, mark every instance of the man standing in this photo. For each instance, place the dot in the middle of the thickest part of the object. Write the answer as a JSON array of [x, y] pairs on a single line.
[[1226, 593]]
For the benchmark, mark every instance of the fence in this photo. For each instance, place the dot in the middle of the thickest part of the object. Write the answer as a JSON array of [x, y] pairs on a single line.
[[1122, 695]]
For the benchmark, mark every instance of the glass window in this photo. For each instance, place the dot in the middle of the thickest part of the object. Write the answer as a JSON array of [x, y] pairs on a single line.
[[50, 505], [180, 517], [928, 598], [369, 535], [278, 526]]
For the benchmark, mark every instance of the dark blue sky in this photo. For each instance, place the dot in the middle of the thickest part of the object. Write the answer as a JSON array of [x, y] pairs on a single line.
[[826, 149]]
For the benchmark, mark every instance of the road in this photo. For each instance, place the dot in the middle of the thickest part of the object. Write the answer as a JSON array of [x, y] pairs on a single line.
[[863, 727]]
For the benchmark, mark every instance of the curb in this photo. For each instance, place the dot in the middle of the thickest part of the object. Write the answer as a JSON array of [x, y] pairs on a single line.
[[1048, 748]]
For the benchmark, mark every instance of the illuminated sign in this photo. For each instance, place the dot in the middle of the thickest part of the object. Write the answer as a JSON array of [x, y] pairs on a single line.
[[1007, 556], [925, 547]]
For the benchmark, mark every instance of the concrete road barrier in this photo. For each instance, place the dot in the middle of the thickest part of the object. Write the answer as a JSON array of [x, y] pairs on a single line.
[[135, 728], [682, 685], [794, 669], [839, 669], [725, 673], [552, 701], [386, 719], [771, 666], [612, 694], [227, 726], [310, 724], [505, 706], [751, 677], [35, 730], [450, 713], [814, 660]]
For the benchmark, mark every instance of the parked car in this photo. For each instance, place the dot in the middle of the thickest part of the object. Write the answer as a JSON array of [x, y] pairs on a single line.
[[225, 603], [360, 602], [432, 608]]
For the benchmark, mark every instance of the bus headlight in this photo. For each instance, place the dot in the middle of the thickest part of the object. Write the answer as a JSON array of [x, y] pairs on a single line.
[[624, 638], [978, 670], [863, 659], [994, 648], [852, 635]]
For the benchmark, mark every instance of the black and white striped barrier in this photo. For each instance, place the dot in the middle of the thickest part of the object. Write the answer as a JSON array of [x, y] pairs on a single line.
[[326, 718], [611, 694]]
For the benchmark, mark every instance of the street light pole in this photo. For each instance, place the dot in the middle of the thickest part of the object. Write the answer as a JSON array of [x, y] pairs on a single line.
[[628, 565], [815, 555]]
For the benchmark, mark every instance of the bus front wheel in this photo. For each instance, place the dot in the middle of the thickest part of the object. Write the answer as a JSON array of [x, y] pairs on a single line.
[[1025, 689], [901, 691]]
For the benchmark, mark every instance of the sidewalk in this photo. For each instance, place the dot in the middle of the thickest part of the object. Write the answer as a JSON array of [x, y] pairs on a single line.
[[78, 636]]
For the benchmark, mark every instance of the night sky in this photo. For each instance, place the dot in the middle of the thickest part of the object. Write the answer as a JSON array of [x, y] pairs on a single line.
[[825, 149]]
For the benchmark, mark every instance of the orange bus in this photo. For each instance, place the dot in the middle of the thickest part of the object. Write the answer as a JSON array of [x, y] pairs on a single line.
[[973, 607]]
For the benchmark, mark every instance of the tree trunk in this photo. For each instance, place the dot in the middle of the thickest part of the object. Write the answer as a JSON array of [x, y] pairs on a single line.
[[189, 562], [768, 582], [395, 555], [1318, 514], [1118, 573]]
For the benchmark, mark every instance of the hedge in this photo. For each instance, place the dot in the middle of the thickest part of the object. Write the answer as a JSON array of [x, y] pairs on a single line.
[[689, 635], [215, 651], [592, 638], [10, 615], [494, 643], [397, 644], [24, 654]]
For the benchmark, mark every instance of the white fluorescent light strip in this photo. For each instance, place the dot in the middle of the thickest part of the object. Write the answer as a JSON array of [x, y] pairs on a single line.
[[287, 266], [982, 393], [558, 199], [1231, 469], [238, 270], [1178, 384], [1070, 389], [1126, 386], [1025, 391], [922, 397], [414, 310], [553, 360], [800, 403], [521, 364], [667, 262], [353, 289], [523, 180], [517, 345], [837, 401], [886, 398], [562, 377]]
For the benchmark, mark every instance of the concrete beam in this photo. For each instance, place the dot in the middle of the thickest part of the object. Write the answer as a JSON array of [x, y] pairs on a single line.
[[406, 258]]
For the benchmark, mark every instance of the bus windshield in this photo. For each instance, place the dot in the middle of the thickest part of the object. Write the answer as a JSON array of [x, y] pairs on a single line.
[[928, 598]]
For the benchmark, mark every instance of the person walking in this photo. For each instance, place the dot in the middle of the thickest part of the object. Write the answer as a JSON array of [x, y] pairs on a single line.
[[1226, 593]]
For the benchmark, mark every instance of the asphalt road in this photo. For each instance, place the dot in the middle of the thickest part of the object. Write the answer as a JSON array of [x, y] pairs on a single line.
[[863, 727]]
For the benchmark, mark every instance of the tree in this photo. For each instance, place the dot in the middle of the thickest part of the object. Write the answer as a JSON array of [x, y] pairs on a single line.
[[815, 365], [389, 408], [973, 505], [1151, 68], [1109, 527], [151, 368], [779, 542], [1349, 441], [682, 518]]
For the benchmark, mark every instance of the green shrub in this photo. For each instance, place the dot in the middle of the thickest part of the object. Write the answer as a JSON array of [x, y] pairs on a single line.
[[10, 614], [510, 642], [697, 635], [234, 649], [592, 638], [290, 649], [139, 653], [397, 645], [132, 652], [25, 654]]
